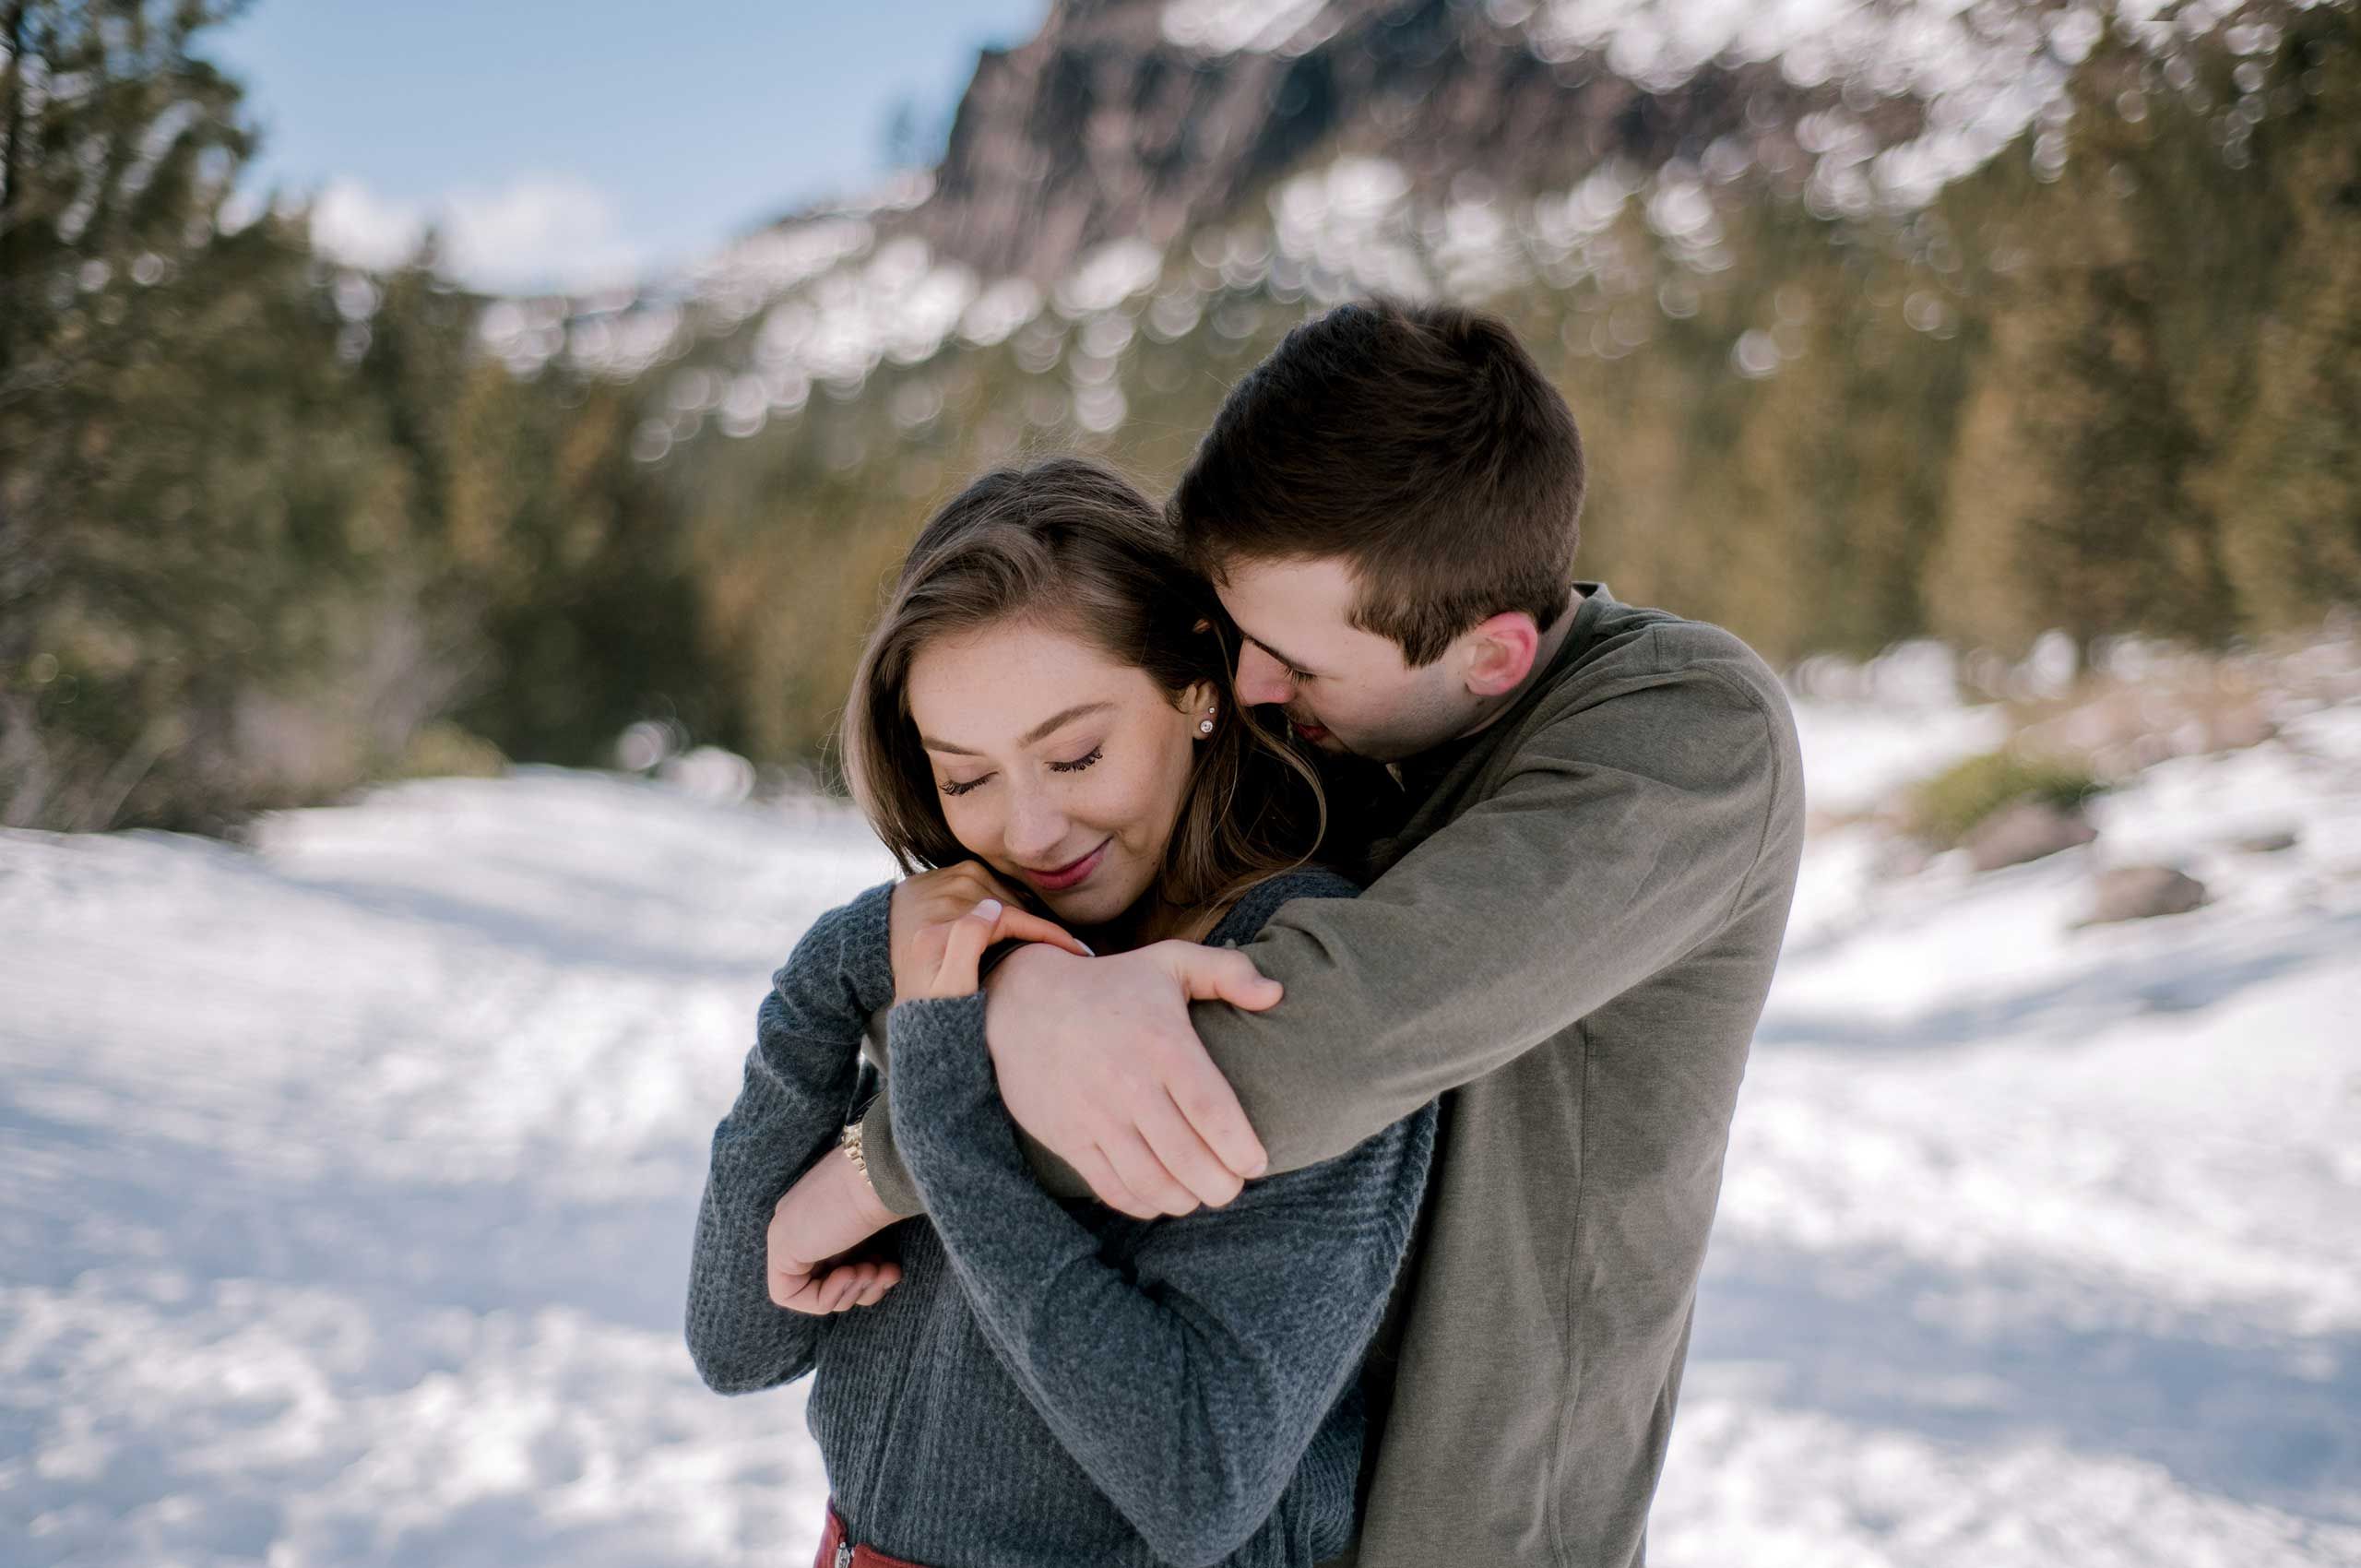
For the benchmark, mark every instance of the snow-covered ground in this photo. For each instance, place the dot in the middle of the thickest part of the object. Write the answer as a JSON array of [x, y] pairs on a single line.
[[348, 1186]]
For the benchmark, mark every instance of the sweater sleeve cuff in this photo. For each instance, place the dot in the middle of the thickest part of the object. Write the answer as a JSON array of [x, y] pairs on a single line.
[[889, 1174], [941, 1039], [943, 1073], [942, 1076]]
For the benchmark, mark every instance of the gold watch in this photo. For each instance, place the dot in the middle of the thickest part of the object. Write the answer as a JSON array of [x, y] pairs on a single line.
[[850, 1140]]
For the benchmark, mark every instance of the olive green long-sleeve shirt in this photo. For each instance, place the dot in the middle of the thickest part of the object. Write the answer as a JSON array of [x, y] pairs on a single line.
[[1568, 937]]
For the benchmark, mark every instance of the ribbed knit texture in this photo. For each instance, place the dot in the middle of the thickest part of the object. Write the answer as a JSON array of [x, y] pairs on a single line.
[[1053, 1382]]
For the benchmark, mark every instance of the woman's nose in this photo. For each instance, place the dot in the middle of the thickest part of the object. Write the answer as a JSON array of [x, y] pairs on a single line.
[[1261, 680], [1037, 828]]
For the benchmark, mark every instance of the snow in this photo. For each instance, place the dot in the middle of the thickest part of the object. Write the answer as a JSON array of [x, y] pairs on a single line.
[[350, 1179], [1352, 221], [1229, 26], [1109, 276]]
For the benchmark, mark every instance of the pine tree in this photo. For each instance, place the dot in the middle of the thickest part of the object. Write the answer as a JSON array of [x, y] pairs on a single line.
[[117, 147], [2288, 484]]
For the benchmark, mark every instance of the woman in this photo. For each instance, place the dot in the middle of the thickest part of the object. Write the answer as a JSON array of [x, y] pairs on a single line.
[[1032, 1381]]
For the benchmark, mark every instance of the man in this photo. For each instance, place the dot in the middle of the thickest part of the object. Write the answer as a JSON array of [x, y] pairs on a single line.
[[1581, 856]]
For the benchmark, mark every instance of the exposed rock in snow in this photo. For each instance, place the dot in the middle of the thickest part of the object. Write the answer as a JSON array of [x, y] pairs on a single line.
[[2025, 831], [2139, 893]]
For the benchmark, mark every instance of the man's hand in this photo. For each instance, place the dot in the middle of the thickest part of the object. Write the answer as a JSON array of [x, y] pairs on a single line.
[[830, 1210], [1097, 1059]]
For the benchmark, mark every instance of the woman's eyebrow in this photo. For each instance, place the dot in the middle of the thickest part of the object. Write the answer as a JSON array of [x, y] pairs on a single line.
[[1037, 732]]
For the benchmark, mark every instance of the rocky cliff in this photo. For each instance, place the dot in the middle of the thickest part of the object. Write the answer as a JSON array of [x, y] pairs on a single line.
[[1145, 118]]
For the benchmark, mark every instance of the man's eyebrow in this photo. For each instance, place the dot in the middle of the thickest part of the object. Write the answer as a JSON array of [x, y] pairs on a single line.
[[1298, 665], [1038, 732]]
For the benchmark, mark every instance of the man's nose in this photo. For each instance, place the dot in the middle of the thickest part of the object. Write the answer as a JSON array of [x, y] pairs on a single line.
[[1261, 680]]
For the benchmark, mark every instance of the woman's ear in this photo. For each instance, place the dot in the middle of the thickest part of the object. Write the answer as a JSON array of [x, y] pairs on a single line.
[[1201, 695]]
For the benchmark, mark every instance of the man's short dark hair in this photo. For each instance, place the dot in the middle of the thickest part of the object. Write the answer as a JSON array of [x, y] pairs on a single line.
[[1418, 443]]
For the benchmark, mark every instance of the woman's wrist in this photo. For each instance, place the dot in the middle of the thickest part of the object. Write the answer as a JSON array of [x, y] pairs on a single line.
[[848, 1180]]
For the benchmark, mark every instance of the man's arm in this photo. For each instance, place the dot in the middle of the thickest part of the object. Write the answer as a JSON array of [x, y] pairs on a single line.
[[1220, 1141], [1625, 837]]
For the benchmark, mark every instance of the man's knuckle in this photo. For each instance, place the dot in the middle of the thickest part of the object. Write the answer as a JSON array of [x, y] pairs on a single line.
[[1203, 1108], [1176, 1055]]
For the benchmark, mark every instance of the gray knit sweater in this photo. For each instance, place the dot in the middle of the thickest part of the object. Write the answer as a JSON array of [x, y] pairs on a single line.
[[1053, 1382]]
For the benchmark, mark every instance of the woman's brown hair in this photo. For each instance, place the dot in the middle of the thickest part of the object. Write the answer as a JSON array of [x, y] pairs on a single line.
[[1073, 546]]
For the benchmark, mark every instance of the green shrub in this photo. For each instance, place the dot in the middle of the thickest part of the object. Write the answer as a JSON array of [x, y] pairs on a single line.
[[444, 750], [1943, 810]]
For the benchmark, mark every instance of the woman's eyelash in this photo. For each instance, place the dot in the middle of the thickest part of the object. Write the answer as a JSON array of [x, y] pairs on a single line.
[[960, 786]]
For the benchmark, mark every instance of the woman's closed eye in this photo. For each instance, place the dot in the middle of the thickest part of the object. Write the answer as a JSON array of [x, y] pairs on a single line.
[[961, 786]]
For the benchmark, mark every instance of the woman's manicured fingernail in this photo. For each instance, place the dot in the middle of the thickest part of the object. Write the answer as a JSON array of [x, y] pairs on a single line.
[[989, 909], [1085, 948]]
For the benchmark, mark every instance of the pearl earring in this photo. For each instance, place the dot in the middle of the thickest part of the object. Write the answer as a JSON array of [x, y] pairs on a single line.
[[1206, 725]]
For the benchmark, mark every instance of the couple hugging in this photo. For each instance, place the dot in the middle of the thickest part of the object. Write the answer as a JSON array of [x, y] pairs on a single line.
[[1324, 1171]]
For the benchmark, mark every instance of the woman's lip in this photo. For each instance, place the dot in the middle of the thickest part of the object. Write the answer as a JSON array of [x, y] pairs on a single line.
[[1308, 732], [1067, 875]]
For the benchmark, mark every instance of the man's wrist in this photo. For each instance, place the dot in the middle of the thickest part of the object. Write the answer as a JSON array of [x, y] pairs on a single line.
[[1006, 987]]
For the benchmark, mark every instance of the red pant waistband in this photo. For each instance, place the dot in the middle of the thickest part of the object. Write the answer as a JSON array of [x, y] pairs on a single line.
[[834, 1551]]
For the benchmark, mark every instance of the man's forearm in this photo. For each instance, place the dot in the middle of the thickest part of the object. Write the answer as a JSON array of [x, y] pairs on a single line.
[[1582, 875]]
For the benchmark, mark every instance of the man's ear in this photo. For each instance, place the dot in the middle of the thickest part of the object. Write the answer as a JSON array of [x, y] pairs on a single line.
[[1499, 652]]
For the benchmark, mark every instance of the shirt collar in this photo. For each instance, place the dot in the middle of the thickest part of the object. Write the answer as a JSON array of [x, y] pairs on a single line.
[[1414, 773]]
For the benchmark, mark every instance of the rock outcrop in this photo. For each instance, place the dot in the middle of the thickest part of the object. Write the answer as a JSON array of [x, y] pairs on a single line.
[[2138, 893], [2026, 830], [1104, 126]]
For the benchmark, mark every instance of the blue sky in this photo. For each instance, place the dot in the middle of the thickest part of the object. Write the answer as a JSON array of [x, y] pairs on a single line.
[[581, 142]]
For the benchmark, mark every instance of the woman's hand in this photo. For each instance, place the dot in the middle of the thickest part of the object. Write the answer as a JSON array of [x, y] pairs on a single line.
[[830, 1210], [942, 921]]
